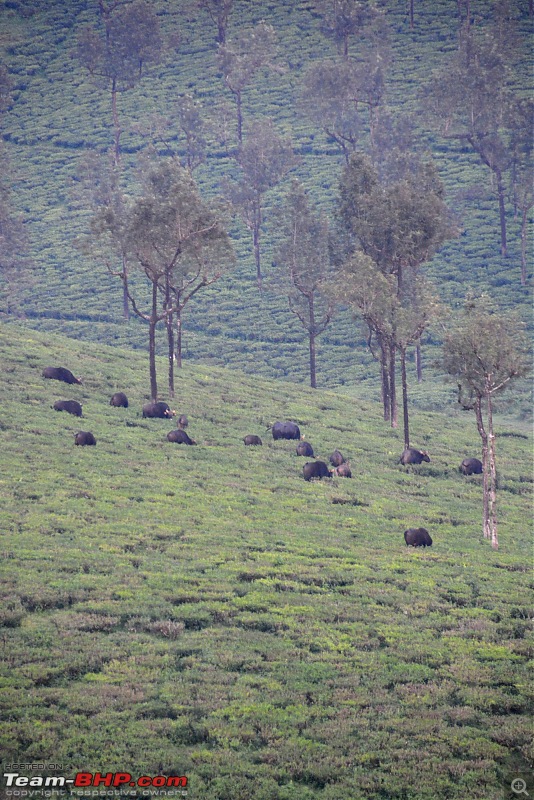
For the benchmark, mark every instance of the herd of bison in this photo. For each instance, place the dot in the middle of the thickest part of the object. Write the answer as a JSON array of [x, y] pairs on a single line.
[[416, 537]]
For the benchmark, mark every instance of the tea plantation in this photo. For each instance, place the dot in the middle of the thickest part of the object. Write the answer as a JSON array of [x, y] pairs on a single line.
[[205, 612]]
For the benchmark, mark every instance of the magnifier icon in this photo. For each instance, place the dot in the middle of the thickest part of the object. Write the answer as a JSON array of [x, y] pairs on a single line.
[[519, 786]]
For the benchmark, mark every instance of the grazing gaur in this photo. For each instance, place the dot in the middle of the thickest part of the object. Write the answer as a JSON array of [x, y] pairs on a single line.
[[71, 406], [183, 422], [251, 438], [119, 400], [285, 430], [417, 537], [305, 449], [315, 469], [471, 466], [336, 459], [60, 374], [179, 436], [157, 410], [84, 438], [343, 470], [413, 456]]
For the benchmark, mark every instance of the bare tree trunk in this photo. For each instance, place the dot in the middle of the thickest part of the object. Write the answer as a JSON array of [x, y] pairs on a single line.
[[492, 497], [386, 391], [311, 331], [239, 118], [170, 341], [502, 211], [418, 362], [125, 303], [402, 352], [256, 243], [485, 469], [152, 343], [524, 220], [411, 14], [116, 122], [179, 337], [392, 387]]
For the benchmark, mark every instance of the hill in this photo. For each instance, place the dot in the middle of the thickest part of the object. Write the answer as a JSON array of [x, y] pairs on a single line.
[[204, 612], [59, 116]]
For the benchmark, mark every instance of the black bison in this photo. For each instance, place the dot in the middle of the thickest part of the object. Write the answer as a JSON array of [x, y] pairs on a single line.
[[343, 470], [285, 430], [305, 449], [315, 469], [179, 436], [71, 406], [336, 459], [417, 537], [471, 466], [84, 438], [251, 438], [158, 410], [60, 374], [119, 400], [183, 422], [413, 456]]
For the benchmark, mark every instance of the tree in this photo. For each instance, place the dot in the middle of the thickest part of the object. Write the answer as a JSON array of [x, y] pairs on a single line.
[[395, 321], [169, 234], [265, 158], [219, 11], [521, 122], [399, 226], [468, 99], [343, 97], [239, 61], [485, 350], [118, 59], [304, 255], [345, 18]]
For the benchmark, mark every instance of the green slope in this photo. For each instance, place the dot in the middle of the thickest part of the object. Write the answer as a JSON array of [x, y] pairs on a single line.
[[205, 612], [58, 116]]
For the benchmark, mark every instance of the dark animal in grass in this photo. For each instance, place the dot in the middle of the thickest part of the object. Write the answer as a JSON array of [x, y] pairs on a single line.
[[60, 374], [305, 449], [183, 422], [251, 438], [315, 469], [119, 400], [157, 410], [343, 470], [84, 438], [71, 406], [336, 459], [471, 466], [417, 537], [180, 437], [285, 430], [413, 456]]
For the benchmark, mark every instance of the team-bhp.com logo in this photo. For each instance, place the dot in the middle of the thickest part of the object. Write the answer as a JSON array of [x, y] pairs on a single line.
[[16, 783]]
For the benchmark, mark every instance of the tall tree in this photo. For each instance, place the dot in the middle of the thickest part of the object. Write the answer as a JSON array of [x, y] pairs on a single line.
[[521, 122], [169, 234], [219, 11], [117, 58], [343, 19], [468, 98], [239, 61], [304, 256], [399, 226], [264, 159], [485, 351]]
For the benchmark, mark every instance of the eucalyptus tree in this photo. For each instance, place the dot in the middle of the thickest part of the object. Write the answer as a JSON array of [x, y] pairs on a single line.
[[219, 11], [240, 60], [521, 122], [343, 97], [304, 258], [467, 99], [264, 159], [343, 19], [485, 350], [118, 56], [174, 239], [399, 226]]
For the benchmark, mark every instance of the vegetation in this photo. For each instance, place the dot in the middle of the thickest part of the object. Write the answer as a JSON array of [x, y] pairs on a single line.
[[204, 611], [58, 117]]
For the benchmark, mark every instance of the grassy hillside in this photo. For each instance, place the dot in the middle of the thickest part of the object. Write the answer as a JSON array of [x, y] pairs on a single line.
[[203, 611], [59, 116]]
